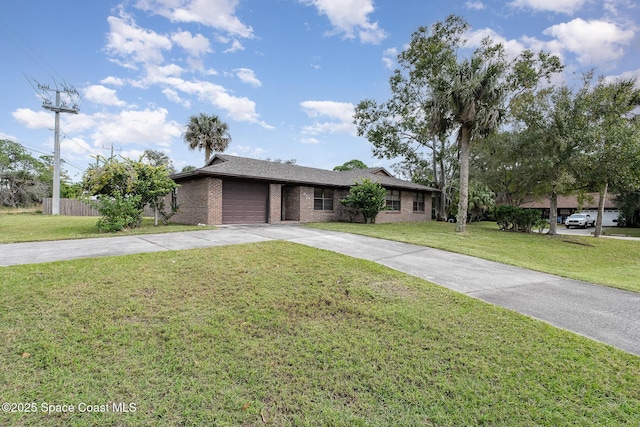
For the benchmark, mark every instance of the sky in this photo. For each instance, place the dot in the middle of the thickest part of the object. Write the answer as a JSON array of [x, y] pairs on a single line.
[[285, 75]]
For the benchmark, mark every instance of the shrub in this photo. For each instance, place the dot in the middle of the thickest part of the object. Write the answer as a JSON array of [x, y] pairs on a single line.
[[118, 212], [513, 218], [366, 197]]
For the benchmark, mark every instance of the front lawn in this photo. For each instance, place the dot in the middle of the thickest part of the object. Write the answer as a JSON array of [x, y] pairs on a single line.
[[605, 261], [282, 334], [34, 227]]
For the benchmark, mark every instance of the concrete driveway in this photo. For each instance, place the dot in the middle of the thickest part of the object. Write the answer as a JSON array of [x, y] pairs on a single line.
[[604, 314]]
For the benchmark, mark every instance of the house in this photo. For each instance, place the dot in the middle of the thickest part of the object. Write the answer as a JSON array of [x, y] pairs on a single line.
[[568, 205], [239, 190]]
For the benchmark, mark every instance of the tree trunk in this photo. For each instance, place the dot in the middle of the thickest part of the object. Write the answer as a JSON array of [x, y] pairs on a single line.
[[463, 204], [207, 154], [603, 196], [443, 183], [436, 181], [553, 213]]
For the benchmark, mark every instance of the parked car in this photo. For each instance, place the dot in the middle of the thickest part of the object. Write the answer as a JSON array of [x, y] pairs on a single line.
[[580, 220]]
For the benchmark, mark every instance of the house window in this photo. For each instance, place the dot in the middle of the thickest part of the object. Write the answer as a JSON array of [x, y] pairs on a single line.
[[322, 199], [393, 200], [418, 202]]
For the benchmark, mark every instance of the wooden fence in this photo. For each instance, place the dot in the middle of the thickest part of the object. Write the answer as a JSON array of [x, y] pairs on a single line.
[[75, 207]]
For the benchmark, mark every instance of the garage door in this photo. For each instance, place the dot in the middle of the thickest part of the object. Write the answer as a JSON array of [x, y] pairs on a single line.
[[244, 202]]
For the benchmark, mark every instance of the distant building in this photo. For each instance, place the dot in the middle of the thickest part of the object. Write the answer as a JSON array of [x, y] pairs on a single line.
[[569, 204]]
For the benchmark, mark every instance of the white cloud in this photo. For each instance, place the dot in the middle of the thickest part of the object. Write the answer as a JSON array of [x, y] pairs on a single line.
[[33, 119], [173, 96], [239, 108], [76, 148], [102, 95], [340, 115], [113, 81], [9, 137], [217, 14], [134, 44], [512, 47], [593, 41], [389, 57], [351, 18], [474, 5], [620, 8], [235, 46], [194, 45], [558, 6], [147, 127], [247, 76], [627, 75], [342, 111]]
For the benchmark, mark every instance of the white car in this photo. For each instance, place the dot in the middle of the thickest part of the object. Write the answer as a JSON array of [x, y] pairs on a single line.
[[580, 220]]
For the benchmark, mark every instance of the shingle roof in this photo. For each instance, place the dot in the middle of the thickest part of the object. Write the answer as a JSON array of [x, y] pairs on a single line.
[[223, 165]]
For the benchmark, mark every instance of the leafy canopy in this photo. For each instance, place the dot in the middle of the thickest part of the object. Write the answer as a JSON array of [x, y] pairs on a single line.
[[436, 92]]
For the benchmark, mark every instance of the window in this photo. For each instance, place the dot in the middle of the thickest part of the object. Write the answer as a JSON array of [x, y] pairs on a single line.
[[393, 200], [418, 202], [322, 199]]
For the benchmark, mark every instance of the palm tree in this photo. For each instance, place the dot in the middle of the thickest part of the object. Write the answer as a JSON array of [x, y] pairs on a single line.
[[208, 133], [470, 93]]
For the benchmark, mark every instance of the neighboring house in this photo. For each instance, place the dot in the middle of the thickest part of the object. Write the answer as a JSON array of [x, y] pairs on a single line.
[[570, 204], [239, 190]]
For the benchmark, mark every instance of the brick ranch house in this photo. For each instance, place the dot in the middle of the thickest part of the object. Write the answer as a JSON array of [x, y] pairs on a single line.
[[239, 190]]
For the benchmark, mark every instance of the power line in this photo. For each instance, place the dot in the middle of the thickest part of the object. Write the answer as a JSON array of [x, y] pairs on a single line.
[[32, 55]]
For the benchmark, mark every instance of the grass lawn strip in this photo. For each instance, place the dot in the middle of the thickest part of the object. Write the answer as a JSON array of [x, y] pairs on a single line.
[[282, 334], [32, 227], [610, 262]]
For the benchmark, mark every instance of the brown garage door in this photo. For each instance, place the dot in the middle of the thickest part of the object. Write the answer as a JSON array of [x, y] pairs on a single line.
[[244, 202]]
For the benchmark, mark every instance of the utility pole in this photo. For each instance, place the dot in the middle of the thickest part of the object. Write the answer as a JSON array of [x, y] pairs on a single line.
[[106, 148], [69, 105]]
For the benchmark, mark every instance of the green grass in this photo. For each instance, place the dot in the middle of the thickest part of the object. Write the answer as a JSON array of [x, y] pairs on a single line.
[[621, 231], [610, 262], [282, 334], [31, 227]]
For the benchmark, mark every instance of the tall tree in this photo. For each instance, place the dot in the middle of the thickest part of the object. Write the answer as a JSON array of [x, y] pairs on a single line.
[[207, 133], [550, 122], [611, 149], [434, 93]]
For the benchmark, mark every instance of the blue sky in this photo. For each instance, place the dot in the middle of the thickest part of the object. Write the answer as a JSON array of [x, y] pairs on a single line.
[[284, 74]]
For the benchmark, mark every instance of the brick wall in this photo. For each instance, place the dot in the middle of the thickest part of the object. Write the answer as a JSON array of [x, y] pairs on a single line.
[[275, 204], [307, 212], [291, 196], [200, 202], [406, 212]]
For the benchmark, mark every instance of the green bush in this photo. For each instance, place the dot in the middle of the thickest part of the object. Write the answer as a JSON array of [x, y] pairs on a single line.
[[366, 197], [513, 218], [118, 212]]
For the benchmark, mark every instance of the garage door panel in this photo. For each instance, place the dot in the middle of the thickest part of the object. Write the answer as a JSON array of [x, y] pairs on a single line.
[[244, 202]]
